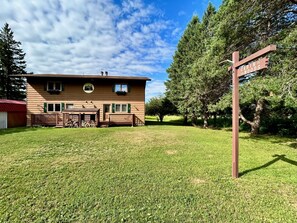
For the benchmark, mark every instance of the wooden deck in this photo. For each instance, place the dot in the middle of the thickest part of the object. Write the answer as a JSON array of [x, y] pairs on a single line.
[[63, 120]]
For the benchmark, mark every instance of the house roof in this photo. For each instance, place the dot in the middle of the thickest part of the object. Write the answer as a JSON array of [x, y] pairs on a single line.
[[79, 76]]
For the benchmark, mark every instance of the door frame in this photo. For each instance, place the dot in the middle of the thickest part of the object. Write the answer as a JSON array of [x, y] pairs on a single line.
[[105, 113]]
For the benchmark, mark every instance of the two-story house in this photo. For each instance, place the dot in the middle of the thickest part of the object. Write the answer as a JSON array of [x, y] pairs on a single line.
[[85, 100]]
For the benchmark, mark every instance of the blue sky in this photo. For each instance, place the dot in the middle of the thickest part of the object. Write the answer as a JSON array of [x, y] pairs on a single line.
[[123, 37]]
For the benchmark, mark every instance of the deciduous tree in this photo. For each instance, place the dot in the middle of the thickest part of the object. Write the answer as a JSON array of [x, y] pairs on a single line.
[[160, 106]]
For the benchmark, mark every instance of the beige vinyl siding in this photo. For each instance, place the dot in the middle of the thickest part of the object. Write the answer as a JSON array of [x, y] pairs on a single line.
[[73, 94]]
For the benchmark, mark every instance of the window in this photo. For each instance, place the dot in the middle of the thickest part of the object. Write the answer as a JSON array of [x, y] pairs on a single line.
[[124, 108], [50, 107], [121, 89], [69, 106], [54, 107], [57, 107], [54, 86], [106, 108], [117, 108], [88, 88]]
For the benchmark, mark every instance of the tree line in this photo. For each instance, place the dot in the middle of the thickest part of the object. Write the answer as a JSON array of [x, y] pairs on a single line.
[[199, 85]]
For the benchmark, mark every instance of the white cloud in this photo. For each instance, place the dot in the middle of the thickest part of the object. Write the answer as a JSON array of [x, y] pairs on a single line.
[[155, 88], [181, 13], [81, 36]]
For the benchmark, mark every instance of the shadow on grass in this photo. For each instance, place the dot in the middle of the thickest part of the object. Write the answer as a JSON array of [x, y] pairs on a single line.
[[17, 130], [276, 159]]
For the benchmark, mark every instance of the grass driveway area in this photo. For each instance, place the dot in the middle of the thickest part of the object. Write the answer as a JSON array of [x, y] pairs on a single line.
[[161, 173]]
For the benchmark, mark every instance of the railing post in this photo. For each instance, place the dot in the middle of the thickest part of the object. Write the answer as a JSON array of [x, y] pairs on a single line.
[[32, 116]]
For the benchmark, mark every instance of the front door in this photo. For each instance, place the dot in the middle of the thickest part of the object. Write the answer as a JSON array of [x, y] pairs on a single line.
[[106, 111]]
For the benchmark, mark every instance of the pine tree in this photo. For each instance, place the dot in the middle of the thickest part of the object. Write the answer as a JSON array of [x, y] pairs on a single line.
[[11, 63], [248, 26], [178, 72], [207, 82]]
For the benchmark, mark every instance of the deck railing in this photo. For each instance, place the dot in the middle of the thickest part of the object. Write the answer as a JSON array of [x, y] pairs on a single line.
[[121, 119], [45, 119]]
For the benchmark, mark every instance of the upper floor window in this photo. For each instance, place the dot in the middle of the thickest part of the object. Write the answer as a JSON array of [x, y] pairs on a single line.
[[121, 89], [54, 86], [88, 87]]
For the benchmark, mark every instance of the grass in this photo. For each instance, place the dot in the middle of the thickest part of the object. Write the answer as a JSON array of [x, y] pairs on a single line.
[[161, 173], [167, 120]]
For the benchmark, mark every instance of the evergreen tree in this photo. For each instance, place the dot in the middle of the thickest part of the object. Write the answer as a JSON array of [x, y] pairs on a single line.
[[11, 63], [262, 23], [206, 79], [197, 81], [178, 71]]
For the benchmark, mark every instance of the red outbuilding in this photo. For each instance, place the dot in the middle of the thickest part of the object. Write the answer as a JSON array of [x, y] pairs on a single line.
[[12, 113]]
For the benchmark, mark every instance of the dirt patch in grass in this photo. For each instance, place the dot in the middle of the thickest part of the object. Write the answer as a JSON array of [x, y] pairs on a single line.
[[197, 181], [171, 152]]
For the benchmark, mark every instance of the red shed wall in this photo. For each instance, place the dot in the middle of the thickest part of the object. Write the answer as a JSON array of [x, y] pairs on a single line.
[[16, 119], [16, 112]]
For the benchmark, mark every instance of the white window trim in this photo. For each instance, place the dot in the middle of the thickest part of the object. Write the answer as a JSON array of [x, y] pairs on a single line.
[[121, 88], [121, 108], [88, 91], [54, 107], [54, 84]]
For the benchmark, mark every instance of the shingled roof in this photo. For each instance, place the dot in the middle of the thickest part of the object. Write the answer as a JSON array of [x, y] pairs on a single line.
[[79, 76]]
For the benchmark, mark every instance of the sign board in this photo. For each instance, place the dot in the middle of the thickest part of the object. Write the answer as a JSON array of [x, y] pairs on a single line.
[[253, 66], [239, 68]]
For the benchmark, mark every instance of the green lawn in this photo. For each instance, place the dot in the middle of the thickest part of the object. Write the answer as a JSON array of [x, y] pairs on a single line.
[[161, 173]]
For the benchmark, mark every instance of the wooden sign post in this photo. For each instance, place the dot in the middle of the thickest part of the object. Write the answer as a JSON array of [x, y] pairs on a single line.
[[240, 69]]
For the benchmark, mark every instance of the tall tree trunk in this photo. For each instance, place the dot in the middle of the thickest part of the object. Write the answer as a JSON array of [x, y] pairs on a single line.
[[255, 124], [161, 117], [194, 120], [205, 120], [185, 119]]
